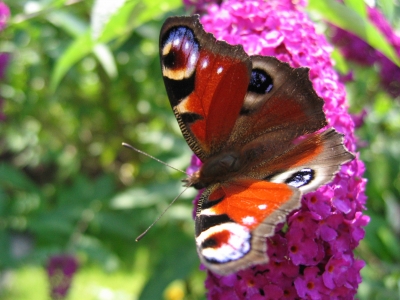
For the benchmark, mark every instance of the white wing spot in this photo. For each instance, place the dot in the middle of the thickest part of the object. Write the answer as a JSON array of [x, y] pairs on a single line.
[[177, 42], [248, 220], [193, 59], [187, 45], [262, 206], [219, 70], [204, 64]]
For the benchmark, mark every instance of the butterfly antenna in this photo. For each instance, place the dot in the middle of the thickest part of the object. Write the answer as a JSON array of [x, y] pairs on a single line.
[[148, 155], [158, 218]]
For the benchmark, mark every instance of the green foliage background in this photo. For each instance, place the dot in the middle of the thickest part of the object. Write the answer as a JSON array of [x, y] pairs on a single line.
[[83, 79]]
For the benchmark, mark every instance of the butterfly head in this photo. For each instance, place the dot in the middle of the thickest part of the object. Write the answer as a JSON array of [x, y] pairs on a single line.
[[216, 169]]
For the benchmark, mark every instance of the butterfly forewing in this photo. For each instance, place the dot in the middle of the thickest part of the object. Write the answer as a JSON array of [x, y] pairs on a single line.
[[210, 91], [280, 99]]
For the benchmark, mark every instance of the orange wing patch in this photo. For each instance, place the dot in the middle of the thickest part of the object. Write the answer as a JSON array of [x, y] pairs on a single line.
[[250, 202]]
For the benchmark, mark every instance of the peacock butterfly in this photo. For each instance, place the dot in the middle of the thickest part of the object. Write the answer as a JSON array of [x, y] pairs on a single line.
[[255, 123]]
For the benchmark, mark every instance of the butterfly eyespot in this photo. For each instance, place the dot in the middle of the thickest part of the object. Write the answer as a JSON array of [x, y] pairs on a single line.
[[170, 60], [179, 53], [301, 178], [260, 82], [210, 243], [225, 242]]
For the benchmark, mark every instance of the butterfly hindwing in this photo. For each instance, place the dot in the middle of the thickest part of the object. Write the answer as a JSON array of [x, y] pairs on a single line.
[[311, 163], [234, 219]]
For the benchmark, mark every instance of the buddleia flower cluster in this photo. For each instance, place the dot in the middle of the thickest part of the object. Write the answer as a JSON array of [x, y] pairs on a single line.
[[312, 256]]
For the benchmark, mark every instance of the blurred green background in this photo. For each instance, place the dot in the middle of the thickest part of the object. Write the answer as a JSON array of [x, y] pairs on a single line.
[[83, 77]]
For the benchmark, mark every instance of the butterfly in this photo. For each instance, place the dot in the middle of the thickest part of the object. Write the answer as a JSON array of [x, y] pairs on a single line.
[[254, 122]]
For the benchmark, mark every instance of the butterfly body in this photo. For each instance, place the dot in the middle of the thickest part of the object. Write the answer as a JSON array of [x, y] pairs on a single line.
[[255, 123]]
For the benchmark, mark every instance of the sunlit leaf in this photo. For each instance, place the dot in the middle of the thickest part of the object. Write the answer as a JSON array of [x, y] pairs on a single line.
[[102, 11], [133, 14], [358, 6], [106, 59], [119, 21], [388, 8]]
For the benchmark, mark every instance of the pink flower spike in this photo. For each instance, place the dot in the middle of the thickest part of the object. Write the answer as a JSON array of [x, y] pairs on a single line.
[[321, 236]]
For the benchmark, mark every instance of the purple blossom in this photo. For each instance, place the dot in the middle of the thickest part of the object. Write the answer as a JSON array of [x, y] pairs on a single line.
[[195, 165], [310, 285], [357, 50], [4, 15], [60, 270], [353, 48], [4, 58], [313, 258], [199, 6], [349, 77], [358, 119], [390, 76]]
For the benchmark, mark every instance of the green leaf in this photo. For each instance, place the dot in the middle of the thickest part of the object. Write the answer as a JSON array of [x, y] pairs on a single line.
[[11, 176], [70, 23], [341, 64], [53, 226], [390, 242], [104, 188], [5, 247], [348, 19], [117, 225], [81, 47], [145, 196], [376, 225]]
